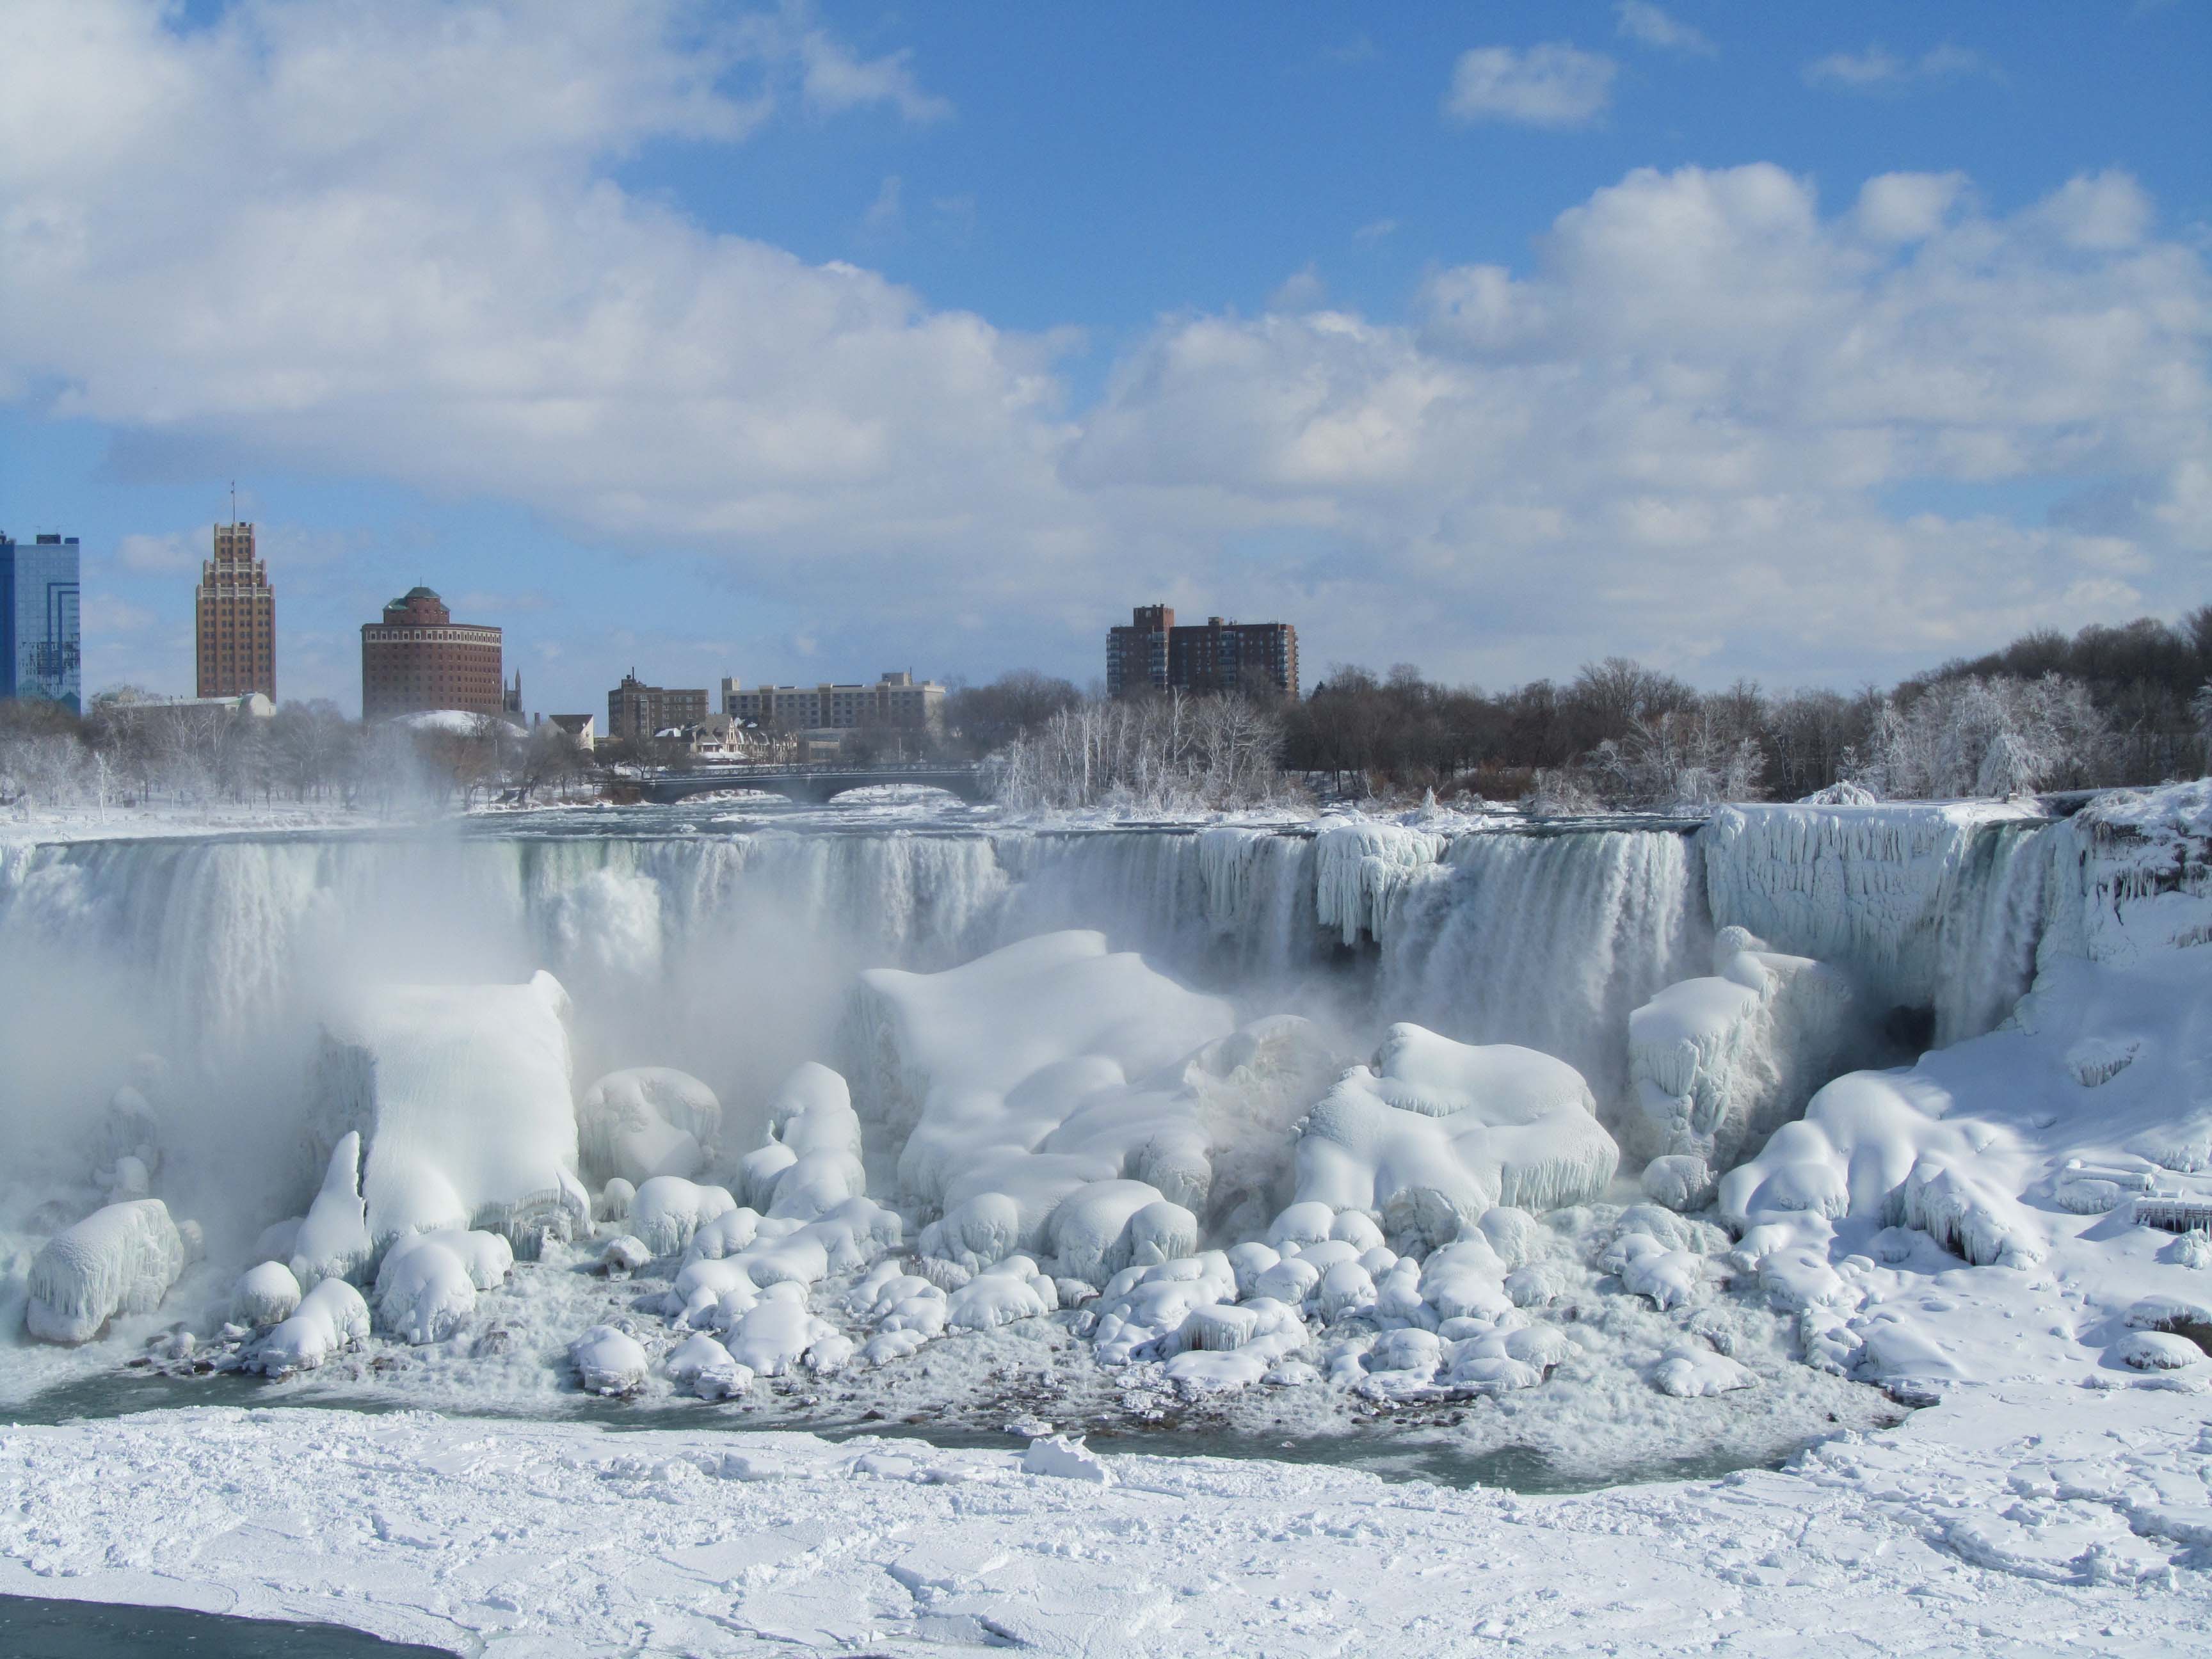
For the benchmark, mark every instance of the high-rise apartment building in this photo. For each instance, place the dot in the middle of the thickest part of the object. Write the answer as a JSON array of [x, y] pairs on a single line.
[[1150, 652], [235, 613], [636, 711], [41, 652], [418, 658], [895, 700]]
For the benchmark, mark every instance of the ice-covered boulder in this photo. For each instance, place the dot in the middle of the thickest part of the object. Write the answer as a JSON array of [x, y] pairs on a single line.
[[644, 1122], [1434, 1132], [1718, 1063], [462, 1095], [1886, 1146], [428, 1282], [811, 1161], [772, 1337], [1027, 1076], [330, 1319], [668, 1209], [703, 1365], [608, 1360], [333, 1241], [121, 1259], [266, 1295]]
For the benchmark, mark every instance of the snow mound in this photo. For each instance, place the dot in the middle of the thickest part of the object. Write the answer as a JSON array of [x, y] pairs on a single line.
[[427, 1283], [1888, 1147], [1048, 1071], [462, 1095], [1718, 1063], [266, 1295], [644, 1122], [669, 1210], [331, 1318], [1064, 1458], [809, 1163], [1434, 1132], [121, 1259], [608, 1361]]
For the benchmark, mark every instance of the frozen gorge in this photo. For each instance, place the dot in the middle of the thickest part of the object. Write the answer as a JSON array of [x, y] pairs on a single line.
[[1850, 1147]]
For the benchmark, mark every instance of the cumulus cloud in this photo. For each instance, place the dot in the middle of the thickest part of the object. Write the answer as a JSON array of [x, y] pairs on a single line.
[[1650, 26], [1877, 69], [1553, 85], [1716, 421]]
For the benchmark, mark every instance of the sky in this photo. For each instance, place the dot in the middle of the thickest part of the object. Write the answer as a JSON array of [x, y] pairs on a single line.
[[803, 341]]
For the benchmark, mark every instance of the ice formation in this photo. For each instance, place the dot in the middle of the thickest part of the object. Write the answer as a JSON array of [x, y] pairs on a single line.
[[1046, 1072], [1434, 1132], [267, 1294], [331, 1318], [332, 1240], [427, 1283], [121, 1259], [644, 1122], [1718, 1063], [462, 1094]]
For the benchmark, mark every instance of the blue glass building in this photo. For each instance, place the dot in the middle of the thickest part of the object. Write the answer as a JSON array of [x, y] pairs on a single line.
[[40, 652]]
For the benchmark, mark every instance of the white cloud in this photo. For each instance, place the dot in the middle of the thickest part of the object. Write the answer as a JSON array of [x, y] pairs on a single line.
[[887, 213], [1375, 230], [1553, 85], [1879, 70], [1650, 24], [1680, 433]]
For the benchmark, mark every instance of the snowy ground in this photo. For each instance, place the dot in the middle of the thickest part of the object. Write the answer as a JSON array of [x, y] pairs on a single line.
[[77, 823], [2018, 1520]]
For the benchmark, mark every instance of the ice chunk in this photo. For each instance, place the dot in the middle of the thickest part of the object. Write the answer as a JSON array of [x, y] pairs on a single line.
[[608, 1361], [1066, 1459], [624, 1256], [266, 1295], [462, 1094], [121, 1259], [1360, 866], [333, 1242], [646, 1121], [1434, 1132], [669, 1210], [331, 1318]]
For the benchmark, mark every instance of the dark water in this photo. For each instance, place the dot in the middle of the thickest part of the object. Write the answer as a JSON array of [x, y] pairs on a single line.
[[31, 1628], [1407, 1452]]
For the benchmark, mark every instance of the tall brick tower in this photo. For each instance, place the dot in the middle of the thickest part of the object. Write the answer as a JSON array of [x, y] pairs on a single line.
[[236, 611]]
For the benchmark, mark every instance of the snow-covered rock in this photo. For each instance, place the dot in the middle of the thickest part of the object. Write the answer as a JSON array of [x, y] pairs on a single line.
[[669, 1210], [427, 1284], [1718, 1063], [608, 1361], [121, 1259], [1434, 1132], [333, 1242], [331, 1318], [266, 1295], [463, 1097]]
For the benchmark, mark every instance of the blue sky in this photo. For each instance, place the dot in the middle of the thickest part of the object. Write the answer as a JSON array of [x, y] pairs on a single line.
[[1811, 343]]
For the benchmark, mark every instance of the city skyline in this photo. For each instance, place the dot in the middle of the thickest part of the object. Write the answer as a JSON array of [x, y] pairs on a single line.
[[1816, 347]]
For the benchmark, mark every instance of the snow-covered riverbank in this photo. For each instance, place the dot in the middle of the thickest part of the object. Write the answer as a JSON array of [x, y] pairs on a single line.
[[2018, 1520]]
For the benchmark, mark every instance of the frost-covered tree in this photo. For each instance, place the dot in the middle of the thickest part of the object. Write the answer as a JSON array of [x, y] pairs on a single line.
[[1985, 736]]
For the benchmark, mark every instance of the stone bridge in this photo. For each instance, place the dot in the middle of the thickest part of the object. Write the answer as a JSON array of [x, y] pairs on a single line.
[[813, 784]]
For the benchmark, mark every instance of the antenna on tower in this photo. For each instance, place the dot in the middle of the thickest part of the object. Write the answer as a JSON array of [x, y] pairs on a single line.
[[234, 503]]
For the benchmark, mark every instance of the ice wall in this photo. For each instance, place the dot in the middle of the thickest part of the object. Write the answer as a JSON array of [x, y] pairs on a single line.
[[1927, 906]]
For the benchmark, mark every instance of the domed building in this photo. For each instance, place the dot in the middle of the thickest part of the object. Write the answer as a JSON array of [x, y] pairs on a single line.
[[418, 658]]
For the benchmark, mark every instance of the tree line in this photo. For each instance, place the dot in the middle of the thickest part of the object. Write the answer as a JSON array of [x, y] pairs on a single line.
[[2128, 704]]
